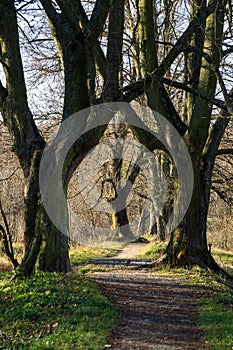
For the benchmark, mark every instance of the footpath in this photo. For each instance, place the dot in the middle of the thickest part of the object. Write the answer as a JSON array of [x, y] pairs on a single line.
[[156, 312]]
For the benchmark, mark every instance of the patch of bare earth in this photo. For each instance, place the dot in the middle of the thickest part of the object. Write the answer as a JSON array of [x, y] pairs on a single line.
[[130, 250], [156, 312]]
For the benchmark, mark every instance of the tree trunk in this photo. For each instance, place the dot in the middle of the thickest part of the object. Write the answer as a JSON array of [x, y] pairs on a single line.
[[55, 246], [41, 238], [120, 226], [188, 243], [32, 236], [28, 143], [160, 228]]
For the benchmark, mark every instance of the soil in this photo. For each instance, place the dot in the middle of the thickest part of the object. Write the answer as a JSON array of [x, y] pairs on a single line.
[[130, 251], [155, 311]]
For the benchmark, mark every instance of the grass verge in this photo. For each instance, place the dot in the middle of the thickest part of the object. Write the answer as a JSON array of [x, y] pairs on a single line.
[[54, 311], [215, 308], [80, 255], [216, 321], [154, 249], [215, 312]]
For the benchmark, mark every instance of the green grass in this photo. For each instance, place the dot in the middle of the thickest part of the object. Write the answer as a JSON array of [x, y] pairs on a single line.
[[80, 255], [54, 311], [154, 249], [216, 322], [224, 259], [215, 311]]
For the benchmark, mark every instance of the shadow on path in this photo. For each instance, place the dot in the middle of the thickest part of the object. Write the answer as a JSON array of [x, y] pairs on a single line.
[[156, 312]]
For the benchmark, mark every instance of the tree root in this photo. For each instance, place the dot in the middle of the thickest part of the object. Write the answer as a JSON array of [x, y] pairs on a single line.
[[188, 262]]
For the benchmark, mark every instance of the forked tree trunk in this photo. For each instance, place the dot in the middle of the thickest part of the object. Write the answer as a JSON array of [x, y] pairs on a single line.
[[188, 243]]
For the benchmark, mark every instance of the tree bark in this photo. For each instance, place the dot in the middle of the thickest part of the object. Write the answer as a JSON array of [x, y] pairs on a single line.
[[55, 247], [188, 243], [111, 90], [28, 143]]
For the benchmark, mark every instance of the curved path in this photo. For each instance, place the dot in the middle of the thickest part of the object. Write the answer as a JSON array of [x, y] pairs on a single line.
[[156, 312]]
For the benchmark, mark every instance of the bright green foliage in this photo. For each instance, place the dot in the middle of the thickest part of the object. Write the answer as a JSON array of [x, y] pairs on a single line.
[[82, 254], [54, 311], [153, 250], [216, 320]]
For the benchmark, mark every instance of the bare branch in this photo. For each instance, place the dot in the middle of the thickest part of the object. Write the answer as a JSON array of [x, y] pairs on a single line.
[[227, 52], [215, 68], [98, 18], [215, 137], [10, 176], [136, 89], [216, 102], [51, 12], [114, 51], [225, 151]]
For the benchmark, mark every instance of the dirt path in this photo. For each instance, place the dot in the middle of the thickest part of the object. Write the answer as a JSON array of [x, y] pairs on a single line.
[[125, 258], [156, 312], [130, 251]]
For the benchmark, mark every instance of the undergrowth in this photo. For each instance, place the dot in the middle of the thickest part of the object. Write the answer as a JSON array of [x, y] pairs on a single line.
[[54, 311], [215, 311]]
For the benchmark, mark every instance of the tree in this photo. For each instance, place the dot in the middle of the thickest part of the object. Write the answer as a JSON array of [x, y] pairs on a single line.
[[190, 61], [202, 42], [28, 144], [202, 139]]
